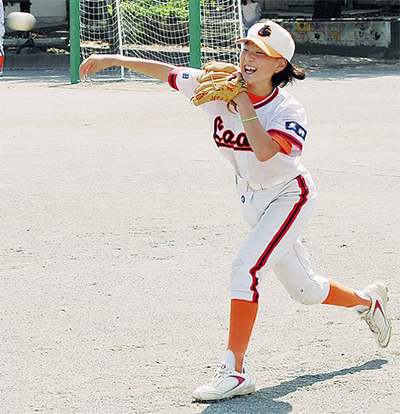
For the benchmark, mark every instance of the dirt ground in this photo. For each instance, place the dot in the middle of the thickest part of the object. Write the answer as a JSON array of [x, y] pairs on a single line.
[[119, 223]]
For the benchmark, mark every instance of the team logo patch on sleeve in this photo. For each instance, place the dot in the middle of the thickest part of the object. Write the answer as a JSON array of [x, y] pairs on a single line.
[[298, 129]]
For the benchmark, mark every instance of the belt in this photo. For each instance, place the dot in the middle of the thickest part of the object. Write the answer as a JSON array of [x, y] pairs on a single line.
[[260, 187]]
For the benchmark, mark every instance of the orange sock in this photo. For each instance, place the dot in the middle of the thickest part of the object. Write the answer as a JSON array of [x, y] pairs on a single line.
[[243, 316], [1, 62], [341, 295]]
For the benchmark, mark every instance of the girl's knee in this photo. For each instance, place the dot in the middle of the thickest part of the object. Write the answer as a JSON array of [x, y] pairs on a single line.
[[306, 294], [243, 285], [307, 290]]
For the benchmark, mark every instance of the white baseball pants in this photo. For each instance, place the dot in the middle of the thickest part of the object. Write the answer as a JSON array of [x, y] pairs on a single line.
[[277, 217]]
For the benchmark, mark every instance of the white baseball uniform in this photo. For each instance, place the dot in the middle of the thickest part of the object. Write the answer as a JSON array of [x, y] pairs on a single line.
[[277, 196]]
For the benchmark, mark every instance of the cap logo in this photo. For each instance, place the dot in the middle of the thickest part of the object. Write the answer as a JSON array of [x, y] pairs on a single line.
[[265, 31]]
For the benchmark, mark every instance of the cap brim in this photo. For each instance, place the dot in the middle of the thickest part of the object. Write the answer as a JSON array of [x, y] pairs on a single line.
[[265, 48]]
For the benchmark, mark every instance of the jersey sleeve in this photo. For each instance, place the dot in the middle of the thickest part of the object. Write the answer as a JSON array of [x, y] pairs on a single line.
[[286, 147], [184, 80], [289, 126]]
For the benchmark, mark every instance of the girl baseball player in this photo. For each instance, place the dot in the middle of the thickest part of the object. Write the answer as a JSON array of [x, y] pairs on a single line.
[[263, 140]]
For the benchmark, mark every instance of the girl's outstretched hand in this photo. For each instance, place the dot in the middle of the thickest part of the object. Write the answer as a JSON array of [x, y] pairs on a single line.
[[95, 63]]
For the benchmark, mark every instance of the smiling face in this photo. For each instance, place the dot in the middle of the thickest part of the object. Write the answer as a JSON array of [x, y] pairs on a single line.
[[258, 68]]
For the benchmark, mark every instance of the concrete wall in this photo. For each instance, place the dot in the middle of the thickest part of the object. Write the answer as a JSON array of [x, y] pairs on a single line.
[[346, 37], [284, 5]]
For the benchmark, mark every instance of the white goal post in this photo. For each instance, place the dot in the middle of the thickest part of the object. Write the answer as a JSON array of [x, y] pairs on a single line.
[[165, 30]]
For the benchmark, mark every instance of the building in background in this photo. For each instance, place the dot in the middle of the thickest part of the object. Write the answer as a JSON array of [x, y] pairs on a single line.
[[47, 12], [383, 7]]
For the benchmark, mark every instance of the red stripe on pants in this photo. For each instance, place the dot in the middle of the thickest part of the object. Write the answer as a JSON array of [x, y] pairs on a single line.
[[279, 235]]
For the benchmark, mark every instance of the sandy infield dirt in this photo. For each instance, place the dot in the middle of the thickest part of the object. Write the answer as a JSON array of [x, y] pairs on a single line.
[[119, 223]]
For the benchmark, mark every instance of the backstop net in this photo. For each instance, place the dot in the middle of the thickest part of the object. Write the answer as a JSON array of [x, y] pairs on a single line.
[[160, 30]]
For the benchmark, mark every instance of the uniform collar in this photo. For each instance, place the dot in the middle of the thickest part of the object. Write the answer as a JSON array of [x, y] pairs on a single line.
[[259, 101]]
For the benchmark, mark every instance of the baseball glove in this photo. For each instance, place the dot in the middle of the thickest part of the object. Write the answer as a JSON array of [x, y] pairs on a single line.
[[218, 83]]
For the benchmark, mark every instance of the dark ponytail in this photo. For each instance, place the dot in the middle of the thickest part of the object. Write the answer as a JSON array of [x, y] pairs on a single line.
[[288, 75]]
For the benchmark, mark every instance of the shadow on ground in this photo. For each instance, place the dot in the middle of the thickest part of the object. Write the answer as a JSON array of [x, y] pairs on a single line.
[[264, 401]]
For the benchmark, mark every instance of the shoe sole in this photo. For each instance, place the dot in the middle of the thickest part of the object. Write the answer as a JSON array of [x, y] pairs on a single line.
[[384, 342], [383, 288], [245, 391]]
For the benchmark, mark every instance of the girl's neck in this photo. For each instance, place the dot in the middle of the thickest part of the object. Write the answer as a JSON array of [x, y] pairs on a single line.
[[257, 97], [261, 92]]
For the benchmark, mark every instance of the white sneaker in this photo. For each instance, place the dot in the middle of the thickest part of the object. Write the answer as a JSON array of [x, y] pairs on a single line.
[[376, 317], [226, 383]]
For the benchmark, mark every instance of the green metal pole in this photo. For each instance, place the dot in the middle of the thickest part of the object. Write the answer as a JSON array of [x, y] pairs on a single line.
[[74, 40], [195, 34]]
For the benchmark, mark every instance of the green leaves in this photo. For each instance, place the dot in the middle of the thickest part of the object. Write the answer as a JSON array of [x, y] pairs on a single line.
[[149, 9]]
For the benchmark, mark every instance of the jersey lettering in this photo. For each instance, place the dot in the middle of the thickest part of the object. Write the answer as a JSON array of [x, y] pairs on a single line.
[[228, 139]]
